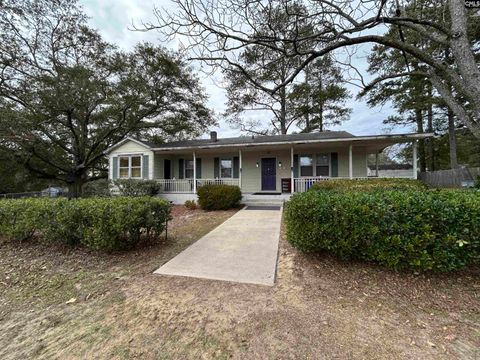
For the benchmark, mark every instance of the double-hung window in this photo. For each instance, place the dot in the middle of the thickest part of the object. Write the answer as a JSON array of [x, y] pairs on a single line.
[[306, 165], [323, 165], [226, 168], [188, 169], [130, 167]]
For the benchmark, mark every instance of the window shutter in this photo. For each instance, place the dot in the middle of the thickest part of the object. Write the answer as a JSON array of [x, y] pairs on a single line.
[[145, 167], [295, 166], [115, 167], [216, 167], [199, 168], [334, 161], [181, 168], [236, 167]]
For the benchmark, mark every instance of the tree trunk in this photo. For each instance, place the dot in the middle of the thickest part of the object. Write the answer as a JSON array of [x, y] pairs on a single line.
[[452, 141], [421, 143], [431, 152], [75, 183], [283, 111], [307, 113], [455, 106]]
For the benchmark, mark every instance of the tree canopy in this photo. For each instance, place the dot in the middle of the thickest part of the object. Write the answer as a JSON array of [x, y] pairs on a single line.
[[315, 100], [218, 29], [66, 95]]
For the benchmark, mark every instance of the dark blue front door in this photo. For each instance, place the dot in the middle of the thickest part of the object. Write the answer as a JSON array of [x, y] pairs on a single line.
[[269, 174]]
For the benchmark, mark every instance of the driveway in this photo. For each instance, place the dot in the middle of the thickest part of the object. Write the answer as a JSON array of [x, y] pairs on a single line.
[[242, 249]]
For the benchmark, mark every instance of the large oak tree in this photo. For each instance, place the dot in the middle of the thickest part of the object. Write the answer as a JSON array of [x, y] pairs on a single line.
[[66, 95]]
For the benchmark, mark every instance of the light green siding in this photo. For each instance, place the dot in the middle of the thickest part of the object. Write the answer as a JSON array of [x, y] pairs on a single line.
[[131, 148], [359, 161], [251, 174]]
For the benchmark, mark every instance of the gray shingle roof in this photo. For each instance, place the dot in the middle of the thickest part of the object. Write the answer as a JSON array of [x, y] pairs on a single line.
[[246, 140]]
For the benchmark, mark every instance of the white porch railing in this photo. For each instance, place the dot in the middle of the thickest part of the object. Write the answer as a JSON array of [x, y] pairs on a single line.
[[176, 186], [304, 183], [186, 185], [201, 182]]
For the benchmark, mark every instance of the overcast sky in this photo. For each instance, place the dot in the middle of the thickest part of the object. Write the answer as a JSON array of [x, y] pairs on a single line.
[[113, 18]]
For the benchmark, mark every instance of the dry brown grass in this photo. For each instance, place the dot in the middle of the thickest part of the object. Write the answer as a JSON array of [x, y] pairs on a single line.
[[319, 307]]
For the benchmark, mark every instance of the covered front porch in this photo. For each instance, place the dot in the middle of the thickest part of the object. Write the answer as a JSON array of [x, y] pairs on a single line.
[[265, 170]]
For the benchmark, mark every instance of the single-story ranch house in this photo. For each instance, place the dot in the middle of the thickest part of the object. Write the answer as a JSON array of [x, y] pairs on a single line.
[[276, 165]]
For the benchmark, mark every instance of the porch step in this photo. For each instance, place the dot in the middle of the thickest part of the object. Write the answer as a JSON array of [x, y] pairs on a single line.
[[264, 200], [263, 203]]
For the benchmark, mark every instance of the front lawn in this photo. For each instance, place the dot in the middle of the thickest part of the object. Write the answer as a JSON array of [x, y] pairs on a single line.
[[319, 307]]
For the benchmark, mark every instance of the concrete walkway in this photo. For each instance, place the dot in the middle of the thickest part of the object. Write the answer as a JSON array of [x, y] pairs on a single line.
[[242, 249]]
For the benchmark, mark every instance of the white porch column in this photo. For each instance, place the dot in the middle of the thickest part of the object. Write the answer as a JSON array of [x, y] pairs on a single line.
[[350, 162], [414, 159], [240, 169], [292, 185], [376, 164], [194, 173]]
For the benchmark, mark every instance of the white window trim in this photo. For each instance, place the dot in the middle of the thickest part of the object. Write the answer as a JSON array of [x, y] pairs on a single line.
[[220, 168], [129, 156], [185, 169]]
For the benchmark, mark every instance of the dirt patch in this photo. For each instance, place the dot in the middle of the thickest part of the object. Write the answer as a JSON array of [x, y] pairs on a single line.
[[319, 307]]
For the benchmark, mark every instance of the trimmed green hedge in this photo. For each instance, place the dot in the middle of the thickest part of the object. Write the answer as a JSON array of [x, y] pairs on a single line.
[[98, 223], [219, 197], [418, 230], [369, 184]]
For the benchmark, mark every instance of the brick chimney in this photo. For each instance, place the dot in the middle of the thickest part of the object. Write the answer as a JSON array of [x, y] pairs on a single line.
[[213, 136]]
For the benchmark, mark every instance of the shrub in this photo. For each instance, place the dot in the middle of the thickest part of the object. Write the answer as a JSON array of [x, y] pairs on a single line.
[[97, 188], [368, 184], [132, 187], [190, 204], [98, 223], [477, 183], [21, 219], [121, 223], [219, 196], [417, 230]]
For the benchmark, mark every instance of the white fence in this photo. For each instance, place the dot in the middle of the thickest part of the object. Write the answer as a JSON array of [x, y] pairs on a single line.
[[186, 185]]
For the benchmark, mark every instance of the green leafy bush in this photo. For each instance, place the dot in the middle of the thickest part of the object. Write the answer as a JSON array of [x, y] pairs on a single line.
[[132, 187], [418, 230], [190, 204], [368, 184], [98, 223], [97, 188], [219, 196], [477, 183], [21, 219]]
